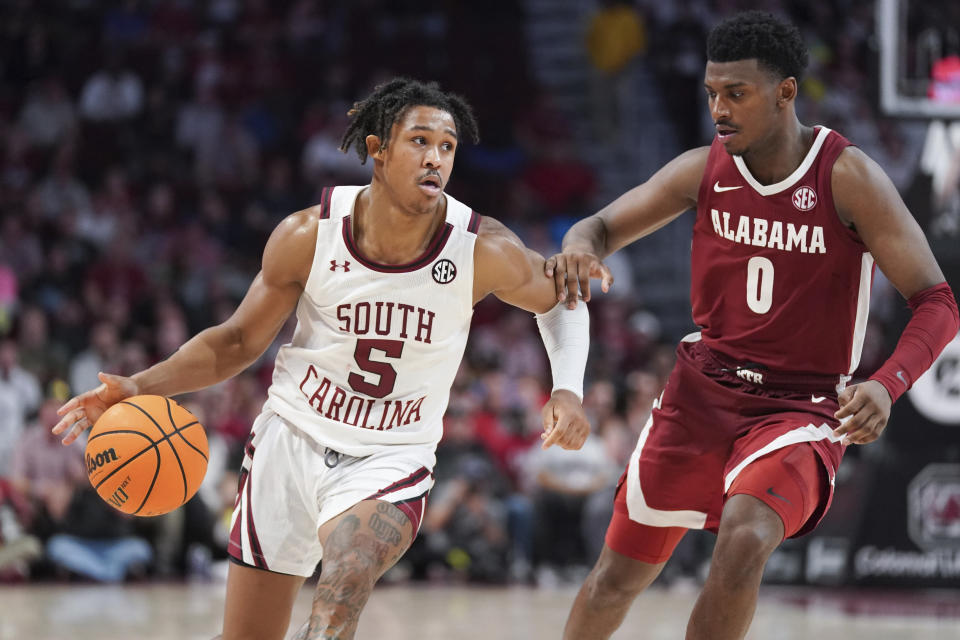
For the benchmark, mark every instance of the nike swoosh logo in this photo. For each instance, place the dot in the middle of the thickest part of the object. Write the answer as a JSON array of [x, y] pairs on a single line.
[[902, 379], [719, 189], [777, 495], [817, 398]]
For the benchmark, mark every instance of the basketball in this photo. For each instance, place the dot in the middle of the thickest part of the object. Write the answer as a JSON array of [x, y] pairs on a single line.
[[146, 455]]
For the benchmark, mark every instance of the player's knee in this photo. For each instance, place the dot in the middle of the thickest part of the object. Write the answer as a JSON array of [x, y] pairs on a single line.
[[610, 583], [745, 547]]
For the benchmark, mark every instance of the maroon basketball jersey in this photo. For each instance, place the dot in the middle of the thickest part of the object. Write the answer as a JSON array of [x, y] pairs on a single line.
[[777, 279]]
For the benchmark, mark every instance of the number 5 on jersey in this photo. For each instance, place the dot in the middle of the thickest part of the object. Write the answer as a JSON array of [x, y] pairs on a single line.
[[759, 284], [385, 370]]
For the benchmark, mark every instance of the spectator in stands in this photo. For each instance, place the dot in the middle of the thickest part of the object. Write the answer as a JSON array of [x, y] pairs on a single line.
[[563, 481], [98, 542], [18, 167], [8, 297], [17, 547], [227, 157], [616, 35], [194, 119], [39, 353], [61, 193], [48, 116], [466, 523], [618, 442], [20, 396], [112, 94], [46, 473], [111, 206], [101, 355], [117, 276], [323, 163]]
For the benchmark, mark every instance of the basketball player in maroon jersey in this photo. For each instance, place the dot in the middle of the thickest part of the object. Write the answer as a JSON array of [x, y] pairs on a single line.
[[746, 439]]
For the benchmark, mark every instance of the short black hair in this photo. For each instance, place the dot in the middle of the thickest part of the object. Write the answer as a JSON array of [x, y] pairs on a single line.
[[386, 105], [777, 45]]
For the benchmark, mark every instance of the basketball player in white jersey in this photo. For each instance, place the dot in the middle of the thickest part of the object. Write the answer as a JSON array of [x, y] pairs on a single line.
[[383, 279]]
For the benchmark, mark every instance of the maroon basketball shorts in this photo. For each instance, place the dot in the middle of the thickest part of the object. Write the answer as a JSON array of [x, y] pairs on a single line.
[[716, 432]]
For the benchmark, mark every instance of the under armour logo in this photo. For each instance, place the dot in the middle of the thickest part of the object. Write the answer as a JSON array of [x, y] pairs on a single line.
[[334, 266]]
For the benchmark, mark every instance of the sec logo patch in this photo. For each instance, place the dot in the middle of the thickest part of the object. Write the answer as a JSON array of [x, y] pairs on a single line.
[[804, 198], [444, 271]]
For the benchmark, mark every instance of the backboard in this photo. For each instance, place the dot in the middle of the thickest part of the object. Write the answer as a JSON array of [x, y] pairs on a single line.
[[919, 58]]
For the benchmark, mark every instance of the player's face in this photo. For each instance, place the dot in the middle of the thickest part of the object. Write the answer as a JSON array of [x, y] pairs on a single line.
[[743, 103], [419, 157]]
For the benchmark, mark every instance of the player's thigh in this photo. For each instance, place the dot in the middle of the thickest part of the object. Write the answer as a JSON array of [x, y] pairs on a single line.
[[368, 537], [258, 604], [790, 481]]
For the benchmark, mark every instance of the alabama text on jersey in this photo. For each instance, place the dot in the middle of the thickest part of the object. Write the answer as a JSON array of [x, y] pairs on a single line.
[[777, 279]]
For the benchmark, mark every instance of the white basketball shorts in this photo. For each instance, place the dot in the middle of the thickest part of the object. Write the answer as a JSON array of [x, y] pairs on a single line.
[[290, 485]]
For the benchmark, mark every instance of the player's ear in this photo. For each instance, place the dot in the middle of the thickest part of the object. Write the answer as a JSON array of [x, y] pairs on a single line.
[[375, 147], [787, 90]]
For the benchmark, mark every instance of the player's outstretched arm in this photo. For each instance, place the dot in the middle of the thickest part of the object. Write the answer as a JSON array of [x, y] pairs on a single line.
[[222, 351], [505, 267], [868, 201], [639, 212]]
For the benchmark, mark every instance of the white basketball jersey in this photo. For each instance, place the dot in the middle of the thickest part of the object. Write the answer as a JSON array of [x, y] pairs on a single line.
[[376, 346]]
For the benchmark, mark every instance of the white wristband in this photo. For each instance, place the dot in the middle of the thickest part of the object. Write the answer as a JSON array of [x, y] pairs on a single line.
[[566, 336]]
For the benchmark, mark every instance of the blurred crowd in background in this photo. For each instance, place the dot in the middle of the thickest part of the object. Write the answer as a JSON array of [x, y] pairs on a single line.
[[149, 147]]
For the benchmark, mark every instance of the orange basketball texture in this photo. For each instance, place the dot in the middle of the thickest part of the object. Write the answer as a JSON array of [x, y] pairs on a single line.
[[146, 455]]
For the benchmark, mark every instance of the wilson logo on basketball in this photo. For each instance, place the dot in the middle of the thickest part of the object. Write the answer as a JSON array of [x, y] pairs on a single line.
[[804, 198], [444, 271], [102, 458]]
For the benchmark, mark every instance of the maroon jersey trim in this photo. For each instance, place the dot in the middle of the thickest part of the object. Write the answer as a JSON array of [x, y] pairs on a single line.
[[436, 246], [474, 223], [252, 531], [417, 476], [325, 198], [413, 508]]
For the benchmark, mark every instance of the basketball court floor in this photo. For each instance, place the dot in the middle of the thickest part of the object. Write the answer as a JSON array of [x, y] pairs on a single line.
[[192, 611]]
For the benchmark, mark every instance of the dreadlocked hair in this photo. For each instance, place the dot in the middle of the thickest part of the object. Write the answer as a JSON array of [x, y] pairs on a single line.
[[389, 101], [777, 45]]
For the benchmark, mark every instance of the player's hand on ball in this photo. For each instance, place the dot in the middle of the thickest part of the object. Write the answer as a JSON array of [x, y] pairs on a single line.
[[864, 411], [564, 422], [571, 272], [80, 412]]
